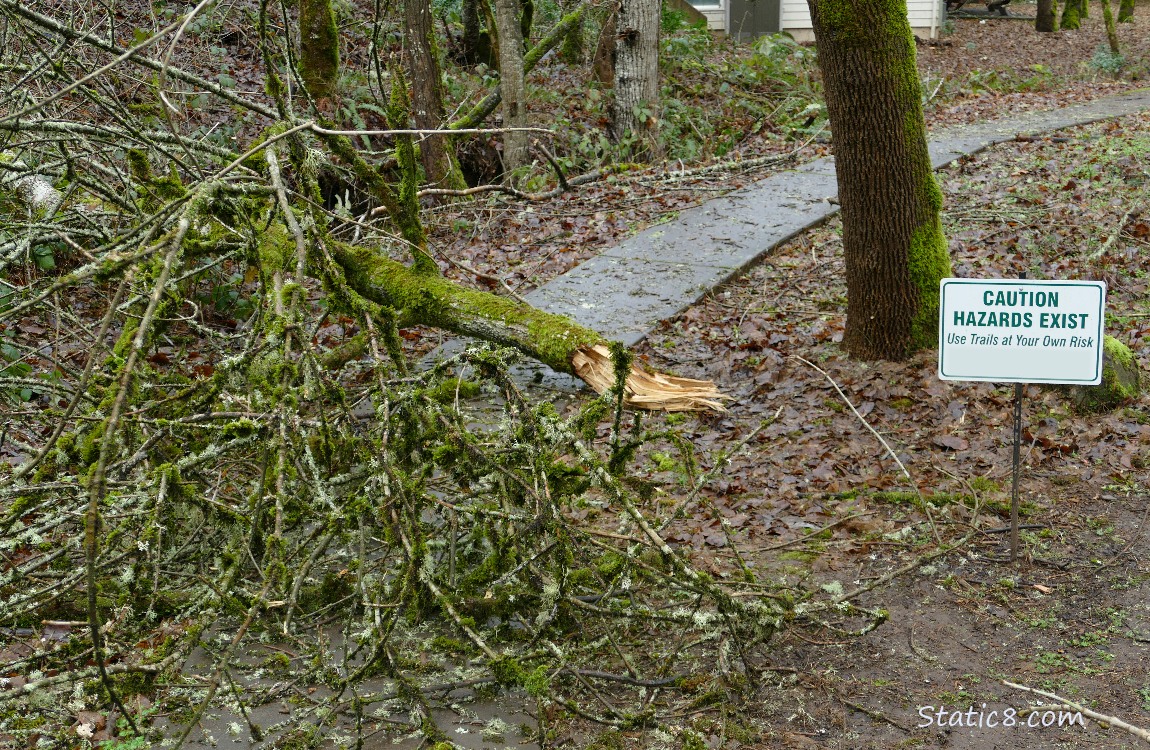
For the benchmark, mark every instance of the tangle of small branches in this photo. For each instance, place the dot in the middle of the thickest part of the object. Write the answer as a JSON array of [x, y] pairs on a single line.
[[203, 509]]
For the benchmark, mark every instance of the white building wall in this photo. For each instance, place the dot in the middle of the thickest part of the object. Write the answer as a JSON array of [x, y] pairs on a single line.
[[925, 17], [716, 14]]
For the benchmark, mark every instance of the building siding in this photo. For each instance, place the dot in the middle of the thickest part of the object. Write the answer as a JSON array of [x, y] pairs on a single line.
[[921, 13], [797, 14], [716, 16]]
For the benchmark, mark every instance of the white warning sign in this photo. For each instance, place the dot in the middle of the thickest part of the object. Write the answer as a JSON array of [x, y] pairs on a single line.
[[1020, 331]]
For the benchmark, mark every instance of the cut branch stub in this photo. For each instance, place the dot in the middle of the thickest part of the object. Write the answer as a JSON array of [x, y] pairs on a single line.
[[645, 390]]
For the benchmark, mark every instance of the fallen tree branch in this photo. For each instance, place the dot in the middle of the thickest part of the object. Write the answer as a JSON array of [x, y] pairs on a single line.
[[1113, 721], [916, 563], [866, 424], [88, 673], [1132, 211], [554, 340]]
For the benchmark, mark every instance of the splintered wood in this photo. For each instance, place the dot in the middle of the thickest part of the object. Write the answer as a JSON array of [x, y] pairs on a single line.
[[646, 390]]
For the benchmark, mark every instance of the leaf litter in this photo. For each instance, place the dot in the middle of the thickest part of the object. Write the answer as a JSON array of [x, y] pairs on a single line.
[[813, 494], [817, 484]]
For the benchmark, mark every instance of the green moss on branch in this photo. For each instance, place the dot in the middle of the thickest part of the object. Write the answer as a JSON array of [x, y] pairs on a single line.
[[435, 301]]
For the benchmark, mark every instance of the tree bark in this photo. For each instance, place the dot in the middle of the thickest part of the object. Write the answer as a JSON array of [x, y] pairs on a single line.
[[427, 92], [892, 235], [603, 64], [426, 88], [636, 106], [1046, 16], [512, 83], [1126, 12], [319, 48], [471, 28], [1111, 29]]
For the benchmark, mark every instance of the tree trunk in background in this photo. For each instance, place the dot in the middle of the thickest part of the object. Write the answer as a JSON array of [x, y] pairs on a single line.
[[1046, 16], [1111, 29], [636, 106], [511, 82], [319, 48], [1071, 14], [489, 37], [426, 87], [1126, 11], [470, 40], [526, 17], [550, 41], [892, 235]]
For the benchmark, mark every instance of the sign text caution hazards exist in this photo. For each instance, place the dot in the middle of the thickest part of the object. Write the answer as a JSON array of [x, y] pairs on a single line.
[[1019, 331]]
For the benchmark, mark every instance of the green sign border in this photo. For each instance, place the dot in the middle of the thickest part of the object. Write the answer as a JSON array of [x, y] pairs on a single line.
[[1099, 286]]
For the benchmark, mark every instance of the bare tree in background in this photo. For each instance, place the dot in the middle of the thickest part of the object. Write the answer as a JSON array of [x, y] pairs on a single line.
[[635, 109], [426, 89], [512, 83]]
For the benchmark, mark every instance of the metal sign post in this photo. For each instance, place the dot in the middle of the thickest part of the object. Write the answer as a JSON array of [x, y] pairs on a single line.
[[1014, 481], [1018, 391], [1020, 331]]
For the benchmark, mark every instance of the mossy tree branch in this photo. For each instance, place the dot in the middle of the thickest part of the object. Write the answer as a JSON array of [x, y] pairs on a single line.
[[435, 301]]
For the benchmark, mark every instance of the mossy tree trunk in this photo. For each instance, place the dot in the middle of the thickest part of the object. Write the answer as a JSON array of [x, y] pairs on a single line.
[[892, 235], [489, 38], [1046, 17], [512, 83], [1111, 29], [1126, 12], [1073, 13], [635, 109], [319, 48]]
